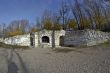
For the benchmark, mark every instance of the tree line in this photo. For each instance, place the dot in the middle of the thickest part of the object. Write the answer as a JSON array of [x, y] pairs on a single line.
[[72, 14], [79, 15]]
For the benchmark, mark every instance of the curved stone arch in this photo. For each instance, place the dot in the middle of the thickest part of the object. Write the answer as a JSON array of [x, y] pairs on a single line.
[[45, 39], [61, 41]]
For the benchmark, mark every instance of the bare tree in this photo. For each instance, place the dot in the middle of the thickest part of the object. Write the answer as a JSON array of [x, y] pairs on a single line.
[[64, 13], [78, 13]]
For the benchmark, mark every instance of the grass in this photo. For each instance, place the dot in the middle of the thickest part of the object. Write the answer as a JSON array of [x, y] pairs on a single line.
[[3, 45], [77, 49], [68, 50], [63, 50], [107, 43]]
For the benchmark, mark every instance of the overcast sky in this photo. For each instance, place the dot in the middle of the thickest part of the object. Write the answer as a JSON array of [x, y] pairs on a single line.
[[25, 9]]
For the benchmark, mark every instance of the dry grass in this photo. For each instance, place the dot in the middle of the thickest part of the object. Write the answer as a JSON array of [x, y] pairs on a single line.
[[63, 50], [67, 50], [12, 46]]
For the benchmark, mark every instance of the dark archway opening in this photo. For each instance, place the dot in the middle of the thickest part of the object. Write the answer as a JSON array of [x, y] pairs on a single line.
[[32, 43], [45, 39], [61, 41], [31, 39]]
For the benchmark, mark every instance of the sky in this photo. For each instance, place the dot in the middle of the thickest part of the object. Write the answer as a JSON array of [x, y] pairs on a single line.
[[25, 9]]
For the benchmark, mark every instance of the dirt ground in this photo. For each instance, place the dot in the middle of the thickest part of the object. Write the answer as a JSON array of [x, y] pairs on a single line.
[[67, 60], [61, 60]]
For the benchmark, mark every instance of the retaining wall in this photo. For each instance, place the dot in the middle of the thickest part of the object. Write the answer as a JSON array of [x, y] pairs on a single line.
[[22, 40], [85, 37]]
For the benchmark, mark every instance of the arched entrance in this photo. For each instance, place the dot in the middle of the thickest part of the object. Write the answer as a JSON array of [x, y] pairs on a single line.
[[45, 39], [61, 41], [32, 42]]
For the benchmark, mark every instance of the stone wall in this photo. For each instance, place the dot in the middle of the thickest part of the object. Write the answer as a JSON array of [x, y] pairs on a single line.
[[85, 37], [22, 40], [71, 38], [25, 40], [48, 33]]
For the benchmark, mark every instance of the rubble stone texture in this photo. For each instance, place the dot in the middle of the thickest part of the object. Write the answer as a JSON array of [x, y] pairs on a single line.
[[85, 37], [71, 38]]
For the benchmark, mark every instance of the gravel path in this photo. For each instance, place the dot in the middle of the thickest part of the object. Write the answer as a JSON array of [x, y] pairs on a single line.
[[11, 62], [83, 60], [3, 61], [63, 60]]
